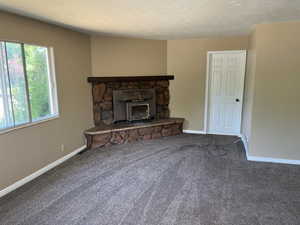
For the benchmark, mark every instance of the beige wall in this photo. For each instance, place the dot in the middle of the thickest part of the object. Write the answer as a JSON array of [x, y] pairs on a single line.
[[186, 59], [24, 151], [124, 56], [276, 106]]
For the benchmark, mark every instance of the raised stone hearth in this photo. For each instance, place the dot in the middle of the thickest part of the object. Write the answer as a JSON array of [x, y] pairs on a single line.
[[114, 98], [107, 135]]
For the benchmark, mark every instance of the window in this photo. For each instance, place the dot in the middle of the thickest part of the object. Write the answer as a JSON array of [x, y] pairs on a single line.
[[27, 84]]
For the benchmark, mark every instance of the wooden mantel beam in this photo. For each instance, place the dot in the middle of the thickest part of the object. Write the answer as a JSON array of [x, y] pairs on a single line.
[[129, 78]]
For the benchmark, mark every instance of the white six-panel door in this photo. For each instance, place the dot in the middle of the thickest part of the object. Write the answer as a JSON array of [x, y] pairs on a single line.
[[226, 72]]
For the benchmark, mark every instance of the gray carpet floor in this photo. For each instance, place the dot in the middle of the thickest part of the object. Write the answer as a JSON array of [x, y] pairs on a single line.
[[187, 179]]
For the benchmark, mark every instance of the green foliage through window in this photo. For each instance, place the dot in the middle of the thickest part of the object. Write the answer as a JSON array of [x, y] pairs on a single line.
[[38, 83], [26, 90]]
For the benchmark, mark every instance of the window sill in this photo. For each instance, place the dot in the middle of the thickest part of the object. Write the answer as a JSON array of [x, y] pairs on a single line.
[[28, 125]]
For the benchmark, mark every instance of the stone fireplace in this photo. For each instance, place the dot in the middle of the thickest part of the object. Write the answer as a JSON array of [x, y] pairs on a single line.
[[110, 95], [129, 109]]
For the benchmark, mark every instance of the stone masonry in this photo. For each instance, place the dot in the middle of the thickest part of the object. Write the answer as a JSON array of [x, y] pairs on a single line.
[[103, 98], [112, 135]]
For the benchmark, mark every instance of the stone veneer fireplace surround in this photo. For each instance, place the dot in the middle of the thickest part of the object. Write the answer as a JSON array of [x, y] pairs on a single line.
[[103, 90], [146, 96]]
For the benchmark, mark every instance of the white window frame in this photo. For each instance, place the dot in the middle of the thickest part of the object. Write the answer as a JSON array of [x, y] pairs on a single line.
[[55, 113]]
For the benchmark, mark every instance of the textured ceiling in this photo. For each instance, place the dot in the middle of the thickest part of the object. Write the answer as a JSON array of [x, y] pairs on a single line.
[[158, 19]]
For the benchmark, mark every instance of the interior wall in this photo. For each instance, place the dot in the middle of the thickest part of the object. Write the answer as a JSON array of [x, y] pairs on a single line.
[[186, 59], [26, 150], [113, 56], [249, 88], [276, 108]]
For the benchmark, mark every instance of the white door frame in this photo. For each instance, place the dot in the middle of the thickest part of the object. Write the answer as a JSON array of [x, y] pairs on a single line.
[[207, 85]]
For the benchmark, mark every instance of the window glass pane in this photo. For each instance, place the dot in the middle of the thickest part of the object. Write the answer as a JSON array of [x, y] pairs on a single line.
[[6, 117], [27, 88], [17, 83], [38, 81]]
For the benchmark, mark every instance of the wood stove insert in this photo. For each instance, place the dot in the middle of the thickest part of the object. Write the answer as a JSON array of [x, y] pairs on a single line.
[[132, 105]]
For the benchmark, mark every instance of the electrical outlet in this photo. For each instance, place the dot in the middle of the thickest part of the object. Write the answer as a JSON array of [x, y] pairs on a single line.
[[62, 147]]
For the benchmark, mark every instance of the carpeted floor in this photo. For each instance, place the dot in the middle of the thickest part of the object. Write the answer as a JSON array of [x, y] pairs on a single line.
[[187, 179]]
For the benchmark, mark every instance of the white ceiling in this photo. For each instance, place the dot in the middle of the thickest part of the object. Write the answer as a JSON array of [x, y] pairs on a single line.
[[158, 19]]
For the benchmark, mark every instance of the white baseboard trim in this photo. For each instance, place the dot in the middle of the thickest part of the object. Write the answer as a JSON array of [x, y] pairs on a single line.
[[273, 160], [194, 132], [38, 173], [226, 134], [266, 159]]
